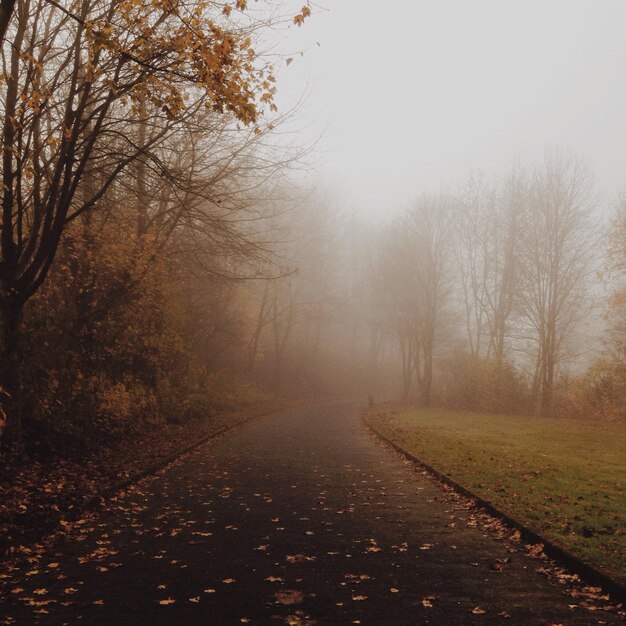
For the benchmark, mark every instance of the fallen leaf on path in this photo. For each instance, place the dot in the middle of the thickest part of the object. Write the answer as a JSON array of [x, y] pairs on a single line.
[[209, 591], [229, 581], [393, 590], [478, 610], [167, 601], [359, 598], [297, 558], [196, 599], [535, 551], [289, 597], [299, 619], [498, 564], [274, 579], [373, 547]]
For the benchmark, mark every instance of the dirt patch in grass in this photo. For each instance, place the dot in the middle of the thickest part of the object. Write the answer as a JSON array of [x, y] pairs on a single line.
[[565, 479]]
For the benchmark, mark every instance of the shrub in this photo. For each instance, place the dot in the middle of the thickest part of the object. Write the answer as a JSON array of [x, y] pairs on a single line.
[[600, 392], [480, 384]]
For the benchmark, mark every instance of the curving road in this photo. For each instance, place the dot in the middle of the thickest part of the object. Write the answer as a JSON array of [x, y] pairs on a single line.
[[298, 518]]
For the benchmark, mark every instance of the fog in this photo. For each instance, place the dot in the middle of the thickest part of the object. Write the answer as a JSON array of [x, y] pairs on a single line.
[[414, 95], [244, 243], [504, 120], [419, 200]]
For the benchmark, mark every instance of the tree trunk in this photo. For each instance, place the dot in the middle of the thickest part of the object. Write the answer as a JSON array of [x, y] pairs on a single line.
[[6, 13], [9, 368], [427, 378], [547, 389]]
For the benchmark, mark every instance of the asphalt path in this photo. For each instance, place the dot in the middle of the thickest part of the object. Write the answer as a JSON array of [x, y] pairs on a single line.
[[298, 518]]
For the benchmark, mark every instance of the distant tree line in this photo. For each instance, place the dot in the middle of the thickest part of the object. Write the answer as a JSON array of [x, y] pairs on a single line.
[[486, 290], [501, 294]]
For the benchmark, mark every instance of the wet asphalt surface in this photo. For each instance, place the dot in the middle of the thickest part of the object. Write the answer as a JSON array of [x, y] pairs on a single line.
[[297, 518]]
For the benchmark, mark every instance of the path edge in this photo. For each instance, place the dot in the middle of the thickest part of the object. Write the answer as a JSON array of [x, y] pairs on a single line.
[[74, 513], [590, 574], [108, 492]]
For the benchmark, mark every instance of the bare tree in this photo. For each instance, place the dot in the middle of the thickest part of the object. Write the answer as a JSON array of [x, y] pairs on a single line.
[[414, 275], [556, 246], [488, 222], [392, 303], [475, 238]]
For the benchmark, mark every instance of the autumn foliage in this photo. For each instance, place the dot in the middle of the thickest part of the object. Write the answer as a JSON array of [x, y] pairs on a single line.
[[135, 158]]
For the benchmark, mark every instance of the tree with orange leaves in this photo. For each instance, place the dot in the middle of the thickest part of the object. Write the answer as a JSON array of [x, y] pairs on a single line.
[[78, 83]]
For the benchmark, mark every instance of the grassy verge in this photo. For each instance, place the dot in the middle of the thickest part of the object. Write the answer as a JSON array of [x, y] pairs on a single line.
[[564, 479]]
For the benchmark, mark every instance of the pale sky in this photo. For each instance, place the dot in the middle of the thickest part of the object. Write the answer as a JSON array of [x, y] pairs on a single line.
[[413, 95]]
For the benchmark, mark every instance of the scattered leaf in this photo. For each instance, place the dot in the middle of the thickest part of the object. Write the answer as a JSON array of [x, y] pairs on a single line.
[[289, 597]]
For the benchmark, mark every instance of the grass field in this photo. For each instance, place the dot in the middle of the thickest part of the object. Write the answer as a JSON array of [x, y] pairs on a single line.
[[565, 479]]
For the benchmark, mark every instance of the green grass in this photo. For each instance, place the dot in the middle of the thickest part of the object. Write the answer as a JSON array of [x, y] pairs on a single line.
[[564, 479]]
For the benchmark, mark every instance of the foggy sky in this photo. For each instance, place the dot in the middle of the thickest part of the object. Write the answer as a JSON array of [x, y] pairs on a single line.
[[414, 95]]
